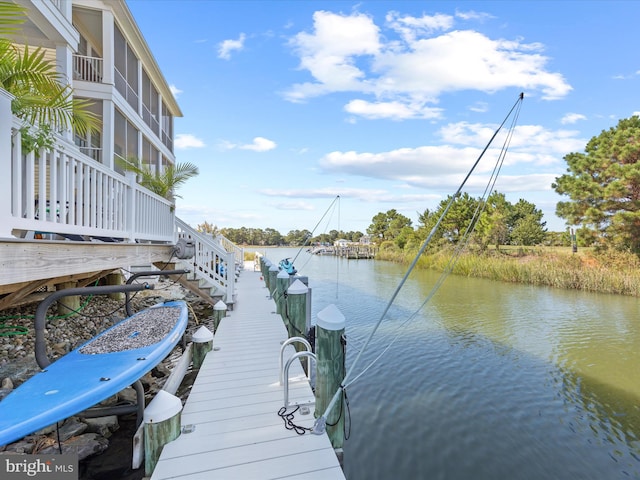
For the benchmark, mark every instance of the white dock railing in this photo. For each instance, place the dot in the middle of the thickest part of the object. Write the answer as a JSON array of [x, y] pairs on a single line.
[[64, 192], [212, 263], [229, 246]]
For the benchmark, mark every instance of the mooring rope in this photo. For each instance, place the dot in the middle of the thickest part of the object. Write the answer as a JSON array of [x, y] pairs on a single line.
[[320, 424]]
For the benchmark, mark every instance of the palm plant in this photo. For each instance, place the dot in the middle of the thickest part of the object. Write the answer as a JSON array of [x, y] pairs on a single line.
[[41, 98], [163, 183]]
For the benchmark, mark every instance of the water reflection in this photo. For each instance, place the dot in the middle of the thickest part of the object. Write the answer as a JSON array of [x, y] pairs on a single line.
[[490, 381]]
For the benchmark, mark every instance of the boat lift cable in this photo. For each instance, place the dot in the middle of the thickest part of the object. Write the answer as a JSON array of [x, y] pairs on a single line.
[[314, 228], [466, 237], [320, 423]]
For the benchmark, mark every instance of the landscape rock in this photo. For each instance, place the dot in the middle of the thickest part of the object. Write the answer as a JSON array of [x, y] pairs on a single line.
[[104, 426], [20, 447], [83, 445], [71, 428]]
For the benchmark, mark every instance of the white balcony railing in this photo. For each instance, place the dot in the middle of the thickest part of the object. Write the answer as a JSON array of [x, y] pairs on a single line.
[[63, 192], [86, 68]]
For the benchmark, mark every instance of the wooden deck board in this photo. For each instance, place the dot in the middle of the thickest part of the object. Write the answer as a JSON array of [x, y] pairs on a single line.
[[234, 402]]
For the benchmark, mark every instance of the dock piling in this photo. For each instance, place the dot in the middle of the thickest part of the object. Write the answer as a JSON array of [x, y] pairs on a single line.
[[271, 284], [202, 344], [161, 426], [219, 312], [297, 310], [282, 283], [330, 370]]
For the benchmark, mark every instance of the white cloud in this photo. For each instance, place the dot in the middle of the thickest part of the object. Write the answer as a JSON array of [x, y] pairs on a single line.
[[533, 149], [410, 27], [187, 140], [175, 90], [572, 118], [294, 206], [362, 194], [479, 107], [260, 144], [413, 62], [227, 46], [329, 53], [394, 110], [473, 15]]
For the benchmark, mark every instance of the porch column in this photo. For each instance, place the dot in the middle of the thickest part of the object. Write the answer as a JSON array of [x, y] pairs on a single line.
[[6, 191], [107, 47], [108, 132], [64, 60], [130, 207]]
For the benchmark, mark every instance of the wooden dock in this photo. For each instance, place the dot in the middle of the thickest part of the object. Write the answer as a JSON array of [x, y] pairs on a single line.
[[233, 405]]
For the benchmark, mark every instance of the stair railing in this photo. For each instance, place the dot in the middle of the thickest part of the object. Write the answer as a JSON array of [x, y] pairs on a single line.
[[211, 262]]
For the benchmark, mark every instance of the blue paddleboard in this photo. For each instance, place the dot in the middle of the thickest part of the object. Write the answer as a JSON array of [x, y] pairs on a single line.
[[93, 372]]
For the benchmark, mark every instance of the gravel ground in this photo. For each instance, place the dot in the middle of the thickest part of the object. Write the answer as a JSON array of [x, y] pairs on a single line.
[[17, 363]]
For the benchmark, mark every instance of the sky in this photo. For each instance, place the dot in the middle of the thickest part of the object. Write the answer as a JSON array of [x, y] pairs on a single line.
[[387, 104]]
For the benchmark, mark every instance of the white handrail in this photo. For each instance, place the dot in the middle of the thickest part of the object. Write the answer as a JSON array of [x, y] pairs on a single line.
[[229, 246], [211, 263]]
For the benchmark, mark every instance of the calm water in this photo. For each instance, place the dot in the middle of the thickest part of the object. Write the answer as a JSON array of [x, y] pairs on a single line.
[[488, 381]]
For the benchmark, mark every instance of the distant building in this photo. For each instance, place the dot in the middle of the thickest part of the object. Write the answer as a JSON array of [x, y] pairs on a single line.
[[365, 240]]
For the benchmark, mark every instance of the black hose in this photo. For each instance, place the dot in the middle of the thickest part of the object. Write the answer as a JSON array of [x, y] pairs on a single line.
[[41, 318]]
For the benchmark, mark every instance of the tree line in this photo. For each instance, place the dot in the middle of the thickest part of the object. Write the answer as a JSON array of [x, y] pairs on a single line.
[[271, 237]]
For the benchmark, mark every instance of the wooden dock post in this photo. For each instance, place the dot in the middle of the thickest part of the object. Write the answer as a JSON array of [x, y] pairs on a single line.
[[330, 370], [70, 304], [219, 312], [273, 273], [161, 426], [202, 344], [282, 283], [296, 310], [265, 263], [115, 278]]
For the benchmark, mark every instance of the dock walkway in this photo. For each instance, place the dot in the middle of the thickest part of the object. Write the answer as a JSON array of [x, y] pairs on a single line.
[[234, 402]]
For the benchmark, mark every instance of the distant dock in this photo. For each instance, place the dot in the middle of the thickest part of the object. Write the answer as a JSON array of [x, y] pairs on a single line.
[[352, 252], [232, 409]]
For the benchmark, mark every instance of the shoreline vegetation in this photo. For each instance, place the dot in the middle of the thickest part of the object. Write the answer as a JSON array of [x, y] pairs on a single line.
[[588, 270]]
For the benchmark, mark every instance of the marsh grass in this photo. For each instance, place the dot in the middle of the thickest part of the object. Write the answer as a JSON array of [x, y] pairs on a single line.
[[609, 272]]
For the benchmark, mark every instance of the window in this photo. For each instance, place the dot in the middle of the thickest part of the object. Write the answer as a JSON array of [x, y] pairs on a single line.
[[90, 143], [150, 104], [167, 127], [125, 140], [149, 155], [126, 69]]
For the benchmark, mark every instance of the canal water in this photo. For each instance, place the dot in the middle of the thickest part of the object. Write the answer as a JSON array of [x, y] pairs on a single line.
[[488, 381]]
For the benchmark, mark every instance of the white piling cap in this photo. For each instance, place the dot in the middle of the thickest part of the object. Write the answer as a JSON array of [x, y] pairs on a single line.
[[283, 274], [220, 305], [330, 318], [274, 268], [163, 407], [267, 262], [202, 335], [297, 288]]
